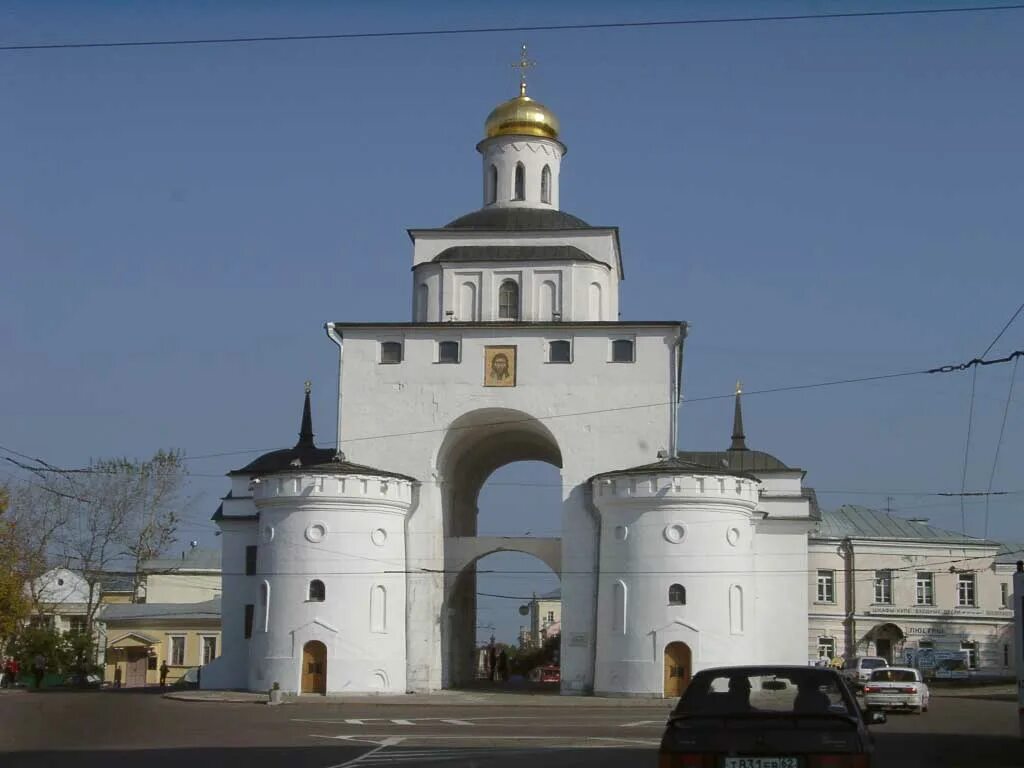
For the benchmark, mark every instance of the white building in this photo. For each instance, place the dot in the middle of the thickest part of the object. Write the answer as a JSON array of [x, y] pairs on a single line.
[[882, 585], [361, 577]]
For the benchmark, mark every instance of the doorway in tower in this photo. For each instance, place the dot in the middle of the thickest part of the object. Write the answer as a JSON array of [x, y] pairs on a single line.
[[678, 668], [314, 667], [503, 517]]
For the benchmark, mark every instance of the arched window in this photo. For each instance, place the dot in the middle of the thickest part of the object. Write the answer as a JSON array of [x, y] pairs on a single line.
[[677, 595], [265, 602], [736, 609], [622, 351], [508, 300], [317, 591], [545, 185], [548, 301], [378, 609], [520, 189], [619, 607], [596, 308], [422, 302], [492, 184]]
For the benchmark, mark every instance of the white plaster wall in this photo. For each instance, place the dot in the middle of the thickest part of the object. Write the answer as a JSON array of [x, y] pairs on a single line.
[[505, 152], [231, 668], [419, 398], [714, 553], [364, 548], [780, 562]]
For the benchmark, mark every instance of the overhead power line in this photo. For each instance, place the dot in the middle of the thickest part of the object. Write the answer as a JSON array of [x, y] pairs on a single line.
[[454, 31]]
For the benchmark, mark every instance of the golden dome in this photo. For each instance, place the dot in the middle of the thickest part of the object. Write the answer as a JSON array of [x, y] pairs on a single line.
[[521, 116]]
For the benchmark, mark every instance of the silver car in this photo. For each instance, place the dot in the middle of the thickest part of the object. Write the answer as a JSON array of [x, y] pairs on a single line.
[[897, 688]]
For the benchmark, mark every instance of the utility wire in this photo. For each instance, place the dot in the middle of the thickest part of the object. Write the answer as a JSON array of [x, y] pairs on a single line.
[[1000, 334], [527, 28], [999, 441]]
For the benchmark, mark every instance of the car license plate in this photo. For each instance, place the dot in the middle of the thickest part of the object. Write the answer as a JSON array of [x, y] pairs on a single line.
[[760, 762]]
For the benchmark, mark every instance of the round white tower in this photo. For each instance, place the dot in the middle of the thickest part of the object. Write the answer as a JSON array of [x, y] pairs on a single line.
[[676, 588], [521, 153], [330, 615]]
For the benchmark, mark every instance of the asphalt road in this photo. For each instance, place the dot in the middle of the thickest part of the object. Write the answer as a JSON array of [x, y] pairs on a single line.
[[116, 729]]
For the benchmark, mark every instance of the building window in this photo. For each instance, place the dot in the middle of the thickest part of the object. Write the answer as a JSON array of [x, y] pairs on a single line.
[[317, 591], [826, 648], [545, 185], [1004, 595], [677, 595], [1006, 655], [390, 352], [560, 351], [251, 553], [972, 653], [925, 644], [883, 587], [250, 614], [622, 351], [736, 609], [448, 352], [508, 300], [925, 589], [492, 184], [551, 617], [76, 625], [965, 589], [619, 607], [177, 649], [378, 609], [209, 649], [520, 189], [826, 586], [422, 302]]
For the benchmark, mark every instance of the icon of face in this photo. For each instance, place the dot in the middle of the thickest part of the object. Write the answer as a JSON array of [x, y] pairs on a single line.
[[499, 365]]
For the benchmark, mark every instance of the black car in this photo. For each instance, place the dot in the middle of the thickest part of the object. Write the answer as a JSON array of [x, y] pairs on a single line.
[[767, 717]]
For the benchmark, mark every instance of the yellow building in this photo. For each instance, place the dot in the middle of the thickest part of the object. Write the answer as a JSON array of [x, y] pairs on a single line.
[[142, 636]]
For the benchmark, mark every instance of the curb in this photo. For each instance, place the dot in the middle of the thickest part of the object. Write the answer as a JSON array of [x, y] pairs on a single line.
[[429, 700]]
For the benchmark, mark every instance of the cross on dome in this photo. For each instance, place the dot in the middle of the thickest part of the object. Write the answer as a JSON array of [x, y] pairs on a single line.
[[522, 65]]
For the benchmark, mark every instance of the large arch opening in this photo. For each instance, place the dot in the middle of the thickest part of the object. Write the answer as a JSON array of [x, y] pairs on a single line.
[[497, 552]]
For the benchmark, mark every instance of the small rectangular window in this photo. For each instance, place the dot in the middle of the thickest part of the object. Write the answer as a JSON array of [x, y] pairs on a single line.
[[250, 614], [925, 589], [883, 587], [151, 663], [177, 651], [622, 351], [965, 590], [251, 553], [826, 648], [1004, 595], [390, 352], [209, 649], [826, 586], [972, 653], [560, 351], [448, 352]]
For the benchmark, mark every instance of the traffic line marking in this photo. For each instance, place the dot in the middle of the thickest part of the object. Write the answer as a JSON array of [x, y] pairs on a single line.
[[642, 722]]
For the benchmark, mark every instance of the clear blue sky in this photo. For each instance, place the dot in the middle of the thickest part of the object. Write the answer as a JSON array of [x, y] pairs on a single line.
[[819, 199]]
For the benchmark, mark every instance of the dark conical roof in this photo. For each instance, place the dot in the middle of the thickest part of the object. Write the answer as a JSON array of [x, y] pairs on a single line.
[[739, 440], [304, 456]]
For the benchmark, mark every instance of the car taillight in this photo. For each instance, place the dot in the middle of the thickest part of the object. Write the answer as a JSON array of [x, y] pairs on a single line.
[[684, 760], [871, 689], [838, 761], [910, 689]]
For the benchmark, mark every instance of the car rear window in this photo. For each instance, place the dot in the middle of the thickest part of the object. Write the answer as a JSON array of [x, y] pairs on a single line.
[[893, 676], [738, 692], [873, 663]]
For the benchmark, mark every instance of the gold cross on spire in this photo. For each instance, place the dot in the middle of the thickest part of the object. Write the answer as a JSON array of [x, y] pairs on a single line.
[[522, 65], [739, 387]]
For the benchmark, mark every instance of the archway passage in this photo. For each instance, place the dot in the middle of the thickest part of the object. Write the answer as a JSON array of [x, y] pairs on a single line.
[[887, 638], [477, 444], [678, 668], [314, 667]]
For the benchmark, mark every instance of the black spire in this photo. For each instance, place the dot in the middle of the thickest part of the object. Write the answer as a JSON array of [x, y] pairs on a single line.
[[306, 430], [739, 440]]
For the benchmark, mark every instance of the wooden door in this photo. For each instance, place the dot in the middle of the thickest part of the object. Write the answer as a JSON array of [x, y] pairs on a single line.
[[677, 668], [135, 676], [314, 667]]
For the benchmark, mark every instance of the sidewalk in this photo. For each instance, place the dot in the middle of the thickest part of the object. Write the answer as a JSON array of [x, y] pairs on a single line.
[[435, 699]]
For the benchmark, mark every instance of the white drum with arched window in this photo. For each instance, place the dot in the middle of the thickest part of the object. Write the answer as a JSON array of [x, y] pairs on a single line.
[[508, 300]]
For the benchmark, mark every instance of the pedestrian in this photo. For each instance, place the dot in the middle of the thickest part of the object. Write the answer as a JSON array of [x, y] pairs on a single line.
[[502, 665], [117, 676], [11, 675], [5, 673], [164, 669], [39, 668]]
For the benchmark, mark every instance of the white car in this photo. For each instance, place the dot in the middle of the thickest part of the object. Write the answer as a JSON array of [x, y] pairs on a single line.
[[896, 688], [857, 670]]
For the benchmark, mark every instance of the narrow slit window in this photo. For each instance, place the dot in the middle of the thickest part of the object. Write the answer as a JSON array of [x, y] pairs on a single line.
[[317, 591], [390, 352], [508, 300], [492, 184], [448, 352], [520, 188], [560, 352], [622, 351], [545, 185]]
